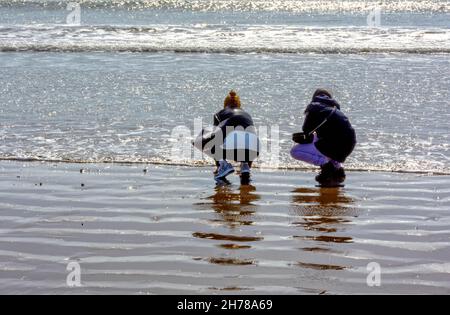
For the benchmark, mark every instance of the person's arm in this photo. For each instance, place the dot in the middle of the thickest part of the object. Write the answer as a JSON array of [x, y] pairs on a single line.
[[207, 136], [216, 120], [309, 122], [218, 117]]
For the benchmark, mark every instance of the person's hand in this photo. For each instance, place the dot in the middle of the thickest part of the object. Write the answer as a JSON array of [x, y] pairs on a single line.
[[302, 138]]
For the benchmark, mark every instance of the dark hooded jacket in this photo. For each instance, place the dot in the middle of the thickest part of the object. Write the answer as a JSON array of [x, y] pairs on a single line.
[[229, 117], [336, 137], [233, 117]]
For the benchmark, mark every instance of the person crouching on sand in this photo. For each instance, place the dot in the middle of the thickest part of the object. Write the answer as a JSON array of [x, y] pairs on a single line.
[[233, 137], [327, 139]]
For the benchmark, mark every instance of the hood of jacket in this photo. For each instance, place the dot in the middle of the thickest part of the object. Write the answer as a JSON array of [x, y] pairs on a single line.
[[326, 101]]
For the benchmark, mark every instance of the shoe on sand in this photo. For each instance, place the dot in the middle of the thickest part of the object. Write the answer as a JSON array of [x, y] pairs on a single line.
[[339, 175], [224, 170], [330, 175]]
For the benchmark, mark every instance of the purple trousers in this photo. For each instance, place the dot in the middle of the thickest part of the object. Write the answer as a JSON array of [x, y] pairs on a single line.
[[308, 153]]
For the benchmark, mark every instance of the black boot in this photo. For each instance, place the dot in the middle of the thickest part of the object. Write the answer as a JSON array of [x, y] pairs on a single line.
[[330, 176], [326, 173], [245, 179], [339, 175]]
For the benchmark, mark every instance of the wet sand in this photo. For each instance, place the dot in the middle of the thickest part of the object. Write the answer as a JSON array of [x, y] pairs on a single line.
[[170, 231]]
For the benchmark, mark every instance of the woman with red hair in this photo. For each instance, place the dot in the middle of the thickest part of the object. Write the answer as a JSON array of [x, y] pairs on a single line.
[[234, 138]]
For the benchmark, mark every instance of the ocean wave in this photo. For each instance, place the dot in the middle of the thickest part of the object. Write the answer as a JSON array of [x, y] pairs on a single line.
[[261, 50], [295, 6], [206, 38]]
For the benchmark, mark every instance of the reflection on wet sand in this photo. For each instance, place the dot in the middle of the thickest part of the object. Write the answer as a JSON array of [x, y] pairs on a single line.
[[227, 237], [229, 289], [319, 266], [324, 202], [323, 212], [231, 261], [236, 246], [235, 208]]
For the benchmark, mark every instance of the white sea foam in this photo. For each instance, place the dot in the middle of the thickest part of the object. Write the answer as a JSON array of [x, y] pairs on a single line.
[[225, 39]]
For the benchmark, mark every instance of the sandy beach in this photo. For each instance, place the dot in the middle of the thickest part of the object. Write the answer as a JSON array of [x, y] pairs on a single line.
[[281, 236]]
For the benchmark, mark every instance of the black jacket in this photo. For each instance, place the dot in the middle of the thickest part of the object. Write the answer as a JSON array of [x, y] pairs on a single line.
[[336, 138], [228, 117], [233, 117]]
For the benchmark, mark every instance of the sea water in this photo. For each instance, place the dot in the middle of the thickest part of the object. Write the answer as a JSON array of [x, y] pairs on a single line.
[[113, 83]]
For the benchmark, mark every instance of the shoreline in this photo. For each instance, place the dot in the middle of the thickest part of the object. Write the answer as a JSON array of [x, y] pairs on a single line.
[[207, 164]]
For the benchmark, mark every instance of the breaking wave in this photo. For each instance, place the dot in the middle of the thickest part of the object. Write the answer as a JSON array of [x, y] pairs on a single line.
[[207, 38]]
